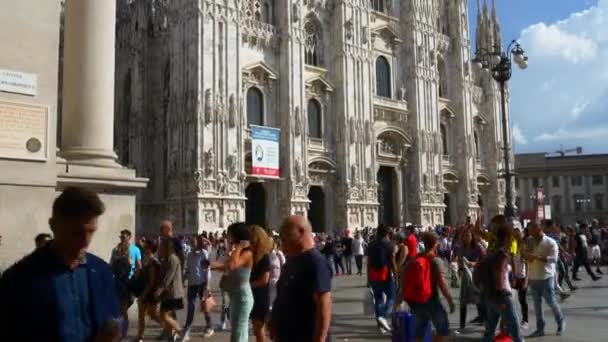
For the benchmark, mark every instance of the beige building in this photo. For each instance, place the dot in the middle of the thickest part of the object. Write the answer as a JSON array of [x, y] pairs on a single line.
[[575, 186], [34, 167], [384, 116]]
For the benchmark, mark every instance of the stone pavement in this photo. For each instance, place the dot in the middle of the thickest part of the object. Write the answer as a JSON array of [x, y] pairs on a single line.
[[586, 316]]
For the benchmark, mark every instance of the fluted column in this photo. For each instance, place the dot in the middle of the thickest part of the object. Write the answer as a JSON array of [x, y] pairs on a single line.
[[88, 82]]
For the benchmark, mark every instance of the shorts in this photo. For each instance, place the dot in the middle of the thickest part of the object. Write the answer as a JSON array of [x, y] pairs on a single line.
[[172, 304], [595, 252], [431, 311]]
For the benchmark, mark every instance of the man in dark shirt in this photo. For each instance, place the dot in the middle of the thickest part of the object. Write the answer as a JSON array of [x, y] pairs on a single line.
[[380, 272], [302, 308], [582, 255], [347, 252], [60, 292]]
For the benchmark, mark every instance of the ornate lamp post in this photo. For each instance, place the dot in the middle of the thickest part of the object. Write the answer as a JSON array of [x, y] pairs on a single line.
[[500, 66]]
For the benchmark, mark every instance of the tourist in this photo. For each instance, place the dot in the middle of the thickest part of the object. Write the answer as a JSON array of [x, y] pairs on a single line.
[[347, 253], [411, 242], [261, 247], [494, 272], [236, 282], [381, 270], [42, 239], [565, 258], [359, 246], [329, 251], [581, 254], [468, 254], [520, 275], [430, 310], [62, 277], [171, 289], [594, 246], [133, 259], [302, 309], [277, 260], [147, 302], [197, 275], [542, 255]]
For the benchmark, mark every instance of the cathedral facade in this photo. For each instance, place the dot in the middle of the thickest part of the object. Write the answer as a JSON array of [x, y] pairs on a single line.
[[384, 115]]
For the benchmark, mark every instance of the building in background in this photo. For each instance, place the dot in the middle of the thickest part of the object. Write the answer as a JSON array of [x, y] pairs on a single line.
[[575, 186], [383, 117]]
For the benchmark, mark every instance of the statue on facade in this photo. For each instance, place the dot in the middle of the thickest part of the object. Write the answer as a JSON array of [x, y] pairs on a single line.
[[231, 111], [221, 183], [364, 35], [231, 163], [369, 132], [371, 177], [220, 110], [209, 162], [298, 122], [353, 174], [208, 106], [198, 181], [353, 130], [296, 11], [298, 170], [403, 93]]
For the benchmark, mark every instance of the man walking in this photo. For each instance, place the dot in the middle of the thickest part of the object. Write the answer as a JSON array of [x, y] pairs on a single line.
[[380, 273], [60, 292], [197, 274], [581, 257], [542, 256], [302, 308], [347, 252]]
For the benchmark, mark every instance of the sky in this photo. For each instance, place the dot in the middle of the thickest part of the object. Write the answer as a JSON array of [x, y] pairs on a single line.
[[561, 100]]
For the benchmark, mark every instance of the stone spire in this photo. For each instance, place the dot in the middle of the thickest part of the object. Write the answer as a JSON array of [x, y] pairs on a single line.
[[488, 28], [496, 28], [479, 29]]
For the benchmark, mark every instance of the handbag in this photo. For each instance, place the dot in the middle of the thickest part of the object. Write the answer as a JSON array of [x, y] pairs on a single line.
[[208, 303]]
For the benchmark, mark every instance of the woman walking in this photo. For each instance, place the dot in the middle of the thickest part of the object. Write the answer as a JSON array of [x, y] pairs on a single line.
[[148, 303], [469, 253], [261, 246], [171, 289], [236, 282], [359, 251]]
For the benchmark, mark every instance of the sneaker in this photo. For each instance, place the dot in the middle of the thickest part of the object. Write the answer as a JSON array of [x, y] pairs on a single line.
[[186, 335], [597, 278], [208, 332], [537, 333], [573, 288], [561, 327], [476, 320], [564, 296], [524, 325], [222, 326], [383, 323], [598, 271], [576, 279]]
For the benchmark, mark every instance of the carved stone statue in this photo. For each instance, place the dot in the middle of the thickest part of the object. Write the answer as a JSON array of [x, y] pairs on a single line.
[[364, 35], [296, 12], [298, 122], [403, 94], [231, 111], [369, 132], [221, 183], [220, 110], [208, 106], [198, 181], [298, 170], [353, 174], [371, 177], [209, 162], [353, 130], [231, 164]]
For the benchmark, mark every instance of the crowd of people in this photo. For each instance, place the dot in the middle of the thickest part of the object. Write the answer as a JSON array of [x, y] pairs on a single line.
[[72, 295]]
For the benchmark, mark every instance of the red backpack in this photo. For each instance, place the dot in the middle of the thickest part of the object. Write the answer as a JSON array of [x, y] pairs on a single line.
[[417, 280]]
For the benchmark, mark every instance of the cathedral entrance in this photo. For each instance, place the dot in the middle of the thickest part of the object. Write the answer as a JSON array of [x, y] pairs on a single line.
[[255, 207], [387, 187], [316, 212]]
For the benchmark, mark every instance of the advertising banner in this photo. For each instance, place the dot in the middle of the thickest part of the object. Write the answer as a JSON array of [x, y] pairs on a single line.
[[265, 151]]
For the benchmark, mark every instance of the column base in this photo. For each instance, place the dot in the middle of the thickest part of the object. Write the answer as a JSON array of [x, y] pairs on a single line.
[[89, 156]]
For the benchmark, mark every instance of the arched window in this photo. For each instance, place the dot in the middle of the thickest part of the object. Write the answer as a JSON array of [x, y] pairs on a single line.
[[314, 119], [378, 5], [255, 107], [477, 147], [314, 43], [443, 80], [383, 77], [268, 13], [444, 139]]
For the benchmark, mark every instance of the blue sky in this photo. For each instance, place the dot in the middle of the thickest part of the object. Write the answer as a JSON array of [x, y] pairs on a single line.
[[562, 98]]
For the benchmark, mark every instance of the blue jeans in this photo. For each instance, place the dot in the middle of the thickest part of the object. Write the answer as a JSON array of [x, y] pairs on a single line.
[[195, 291], [509, 318], [381, 289], [431, 311], [544, 289]]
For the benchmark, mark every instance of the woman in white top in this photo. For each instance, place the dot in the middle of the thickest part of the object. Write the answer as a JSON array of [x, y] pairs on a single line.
[[359, 251]]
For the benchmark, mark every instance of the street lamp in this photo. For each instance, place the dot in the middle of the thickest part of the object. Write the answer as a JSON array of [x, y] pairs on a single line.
[[499, 64]]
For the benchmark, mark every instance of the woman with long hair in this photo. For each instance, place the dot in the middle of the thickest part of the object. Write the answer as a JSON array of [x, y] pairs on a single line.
[[171, 289], [148, 304], [236, 282], [261, 246], [468, 253]]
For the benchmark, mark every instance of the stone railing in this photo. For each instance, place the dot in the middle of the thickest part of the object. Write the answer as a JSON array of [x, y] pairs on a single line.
[[264, 32]]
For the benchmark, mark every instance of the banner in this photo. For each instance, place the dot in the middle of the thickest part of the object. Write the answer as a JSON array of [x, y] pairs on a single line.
[[265, 151]]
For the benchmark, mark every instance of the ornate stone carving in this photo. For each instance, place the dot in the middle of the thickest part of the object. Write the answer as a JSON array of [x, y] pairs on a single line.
[[298, 121], [348, 29], [298, 170], [221, 183], [371, 177], [364, 35], [208, 106], [369, 132], [295, 15], [231, 164], [198, 181], [209, 163], [231, 111], [209, 216], [354, 176], [387, 146], [220, 109], [403, 94]]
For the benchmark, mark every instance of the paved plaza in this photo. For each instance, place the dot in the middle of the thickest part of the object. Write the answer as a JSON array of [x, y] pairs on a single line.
[[586, 316]]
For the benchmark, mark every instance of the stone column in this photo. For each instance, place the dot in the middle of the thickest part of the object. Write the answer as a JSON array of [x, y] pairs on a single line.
[[399, 208], [87, 128]]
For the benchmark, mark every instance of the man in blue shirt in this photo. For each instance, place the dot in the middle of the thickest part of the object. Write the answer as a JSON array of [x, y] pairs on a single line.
[[60, 292], [134, 252]]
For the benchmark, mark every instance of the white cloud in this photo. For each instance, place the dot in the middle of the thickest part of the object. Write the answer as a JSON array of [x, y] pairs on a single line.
[[518, 136], [562, 97], [552, 41]]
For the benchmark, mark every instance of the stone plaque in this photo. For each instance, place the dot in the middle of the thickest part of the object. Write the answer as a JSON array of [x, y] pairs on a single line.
[[18, 82], [23, 131]]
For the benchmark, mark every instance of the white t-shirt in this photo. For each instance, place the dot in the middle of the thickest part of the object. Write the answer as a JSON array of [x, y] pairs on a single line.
[[358, 246], [547, 247]]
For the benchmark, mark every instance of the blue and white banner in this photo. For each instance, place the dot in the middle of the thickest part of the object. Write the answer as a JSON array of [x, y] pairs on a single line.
[[265, 151]]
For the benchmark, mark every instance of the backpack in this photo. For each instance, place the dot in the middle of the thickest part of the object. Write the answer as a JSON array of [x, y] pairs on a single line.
[[417, 280], [378, 262]]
